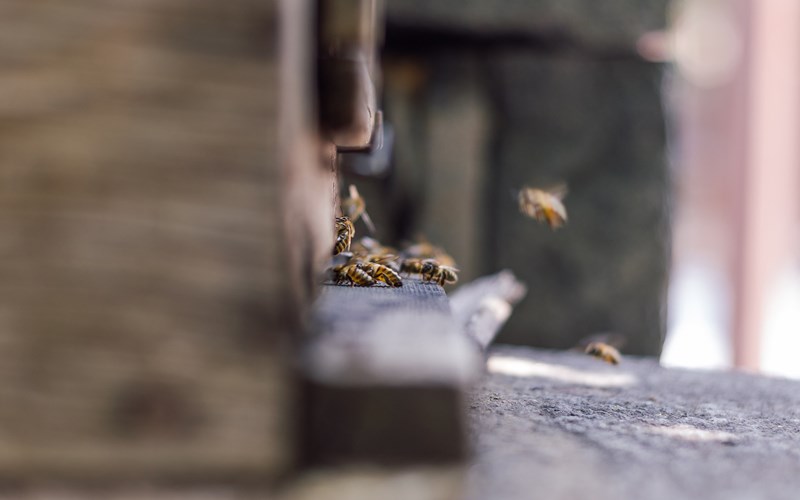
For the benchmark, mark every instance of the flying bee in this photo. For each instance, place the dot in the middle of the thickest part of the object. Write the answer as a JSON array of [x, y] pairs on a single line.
[[603, 351], [438, 273], [381, 273], [355, 207], [344, 234], [544, 205], [351, 274]]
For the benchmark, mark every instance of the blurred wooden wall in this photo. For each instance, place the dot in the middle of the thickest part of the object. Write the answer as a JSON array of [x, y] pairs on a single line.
[[163, 202]]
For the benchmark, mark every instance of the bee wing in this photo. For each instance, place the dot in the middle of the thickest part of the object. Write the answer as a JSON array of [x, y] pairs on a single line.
[[368, 222], [559, 190], [348, 207]]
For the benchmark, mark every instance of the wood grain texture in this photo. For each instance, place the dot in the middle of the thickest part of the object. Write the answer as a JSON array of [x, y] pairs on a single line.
[[145, 295], [386, 377]]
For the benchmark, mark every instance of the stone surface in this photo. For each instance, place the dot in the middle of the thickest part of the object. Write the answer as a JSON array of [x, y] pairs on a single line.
[[565, 425]]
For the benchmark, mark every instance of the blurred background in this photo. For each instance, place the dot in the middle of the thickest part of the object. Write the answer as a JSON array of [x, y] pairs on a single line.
[[673, 125]]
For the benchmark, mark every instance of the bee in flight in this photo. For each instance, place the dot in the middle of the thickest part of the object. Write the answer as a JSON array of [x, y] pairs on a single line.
[[544, 205], [603, 351], [344, 234], [355, 207]]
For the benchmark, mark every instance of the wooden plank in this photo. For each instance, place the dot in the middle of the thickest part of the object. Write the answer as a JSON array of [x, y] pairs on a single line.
[[386, 377], [361, 482], [145, 295]]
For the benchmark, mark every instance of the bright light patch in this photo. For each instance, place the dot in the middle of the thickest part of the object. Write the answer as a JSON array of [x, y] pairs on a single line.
[[689, 433], [707, 43], [520, 367], [781, 341], [697, 337]]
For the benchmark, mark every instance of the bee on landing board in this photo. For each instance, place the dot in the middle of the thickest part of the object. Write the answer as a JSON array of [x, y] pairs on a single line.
[[351, 274], [544, 205], [423, 249], [370, 250], [438, 273], [603, 351], [412, 266], [380, 272], [344, 234], [387, 260]]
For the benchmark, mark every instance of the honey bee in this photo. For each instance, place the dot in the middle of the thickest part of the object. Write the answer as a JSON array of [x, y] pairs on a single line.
[[381, 273], [603, 351], [388, 260], [426, 250], [438, 273], [412, 266], [355, 207], [351, 274], [344, 234], [544, 205]]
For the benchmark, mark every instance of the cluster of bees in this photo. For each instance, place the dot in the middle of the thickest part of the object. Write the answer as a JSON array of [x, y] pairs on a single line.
[[366, 262]]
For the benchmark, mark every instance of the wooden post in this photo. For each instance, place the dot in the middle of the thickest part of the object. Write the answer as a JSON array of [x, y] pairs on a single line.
[[157, 243]]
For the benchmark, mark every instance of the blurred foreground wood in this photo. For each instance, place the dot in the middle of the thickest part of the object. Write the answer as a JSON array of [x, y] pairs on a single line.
[[147, 291]]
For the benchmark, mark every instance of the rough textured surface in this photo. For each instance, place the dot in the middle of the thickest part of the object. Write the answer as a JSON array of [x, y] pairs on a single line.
[[569, 426], [344, 310]]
